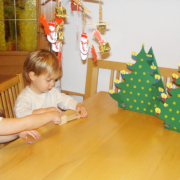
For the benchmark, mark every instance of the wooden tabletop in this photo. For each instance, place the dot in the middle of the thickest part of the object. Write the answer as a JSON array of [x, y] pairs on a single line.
[[109, 144]]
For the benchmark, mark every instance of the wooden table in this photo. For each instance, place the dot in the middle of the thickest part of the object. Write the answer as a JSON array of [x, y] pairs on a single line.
[[109, 144]]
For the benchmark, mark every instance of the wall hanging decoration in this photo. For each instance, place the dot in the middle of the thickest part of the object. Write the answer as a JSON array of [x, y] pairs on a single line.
[[104, 46], [54, 29]]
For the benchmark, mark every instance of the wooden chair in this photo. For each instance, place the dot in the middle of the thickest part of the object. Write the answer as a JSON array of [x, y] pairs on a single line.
[[9, 90], [93, 71], [115, 68]]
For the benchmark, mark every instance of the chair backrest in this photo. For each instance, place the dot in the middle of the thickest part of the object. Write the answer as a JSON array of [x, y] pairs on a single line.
[[9, 90], [115, 68]]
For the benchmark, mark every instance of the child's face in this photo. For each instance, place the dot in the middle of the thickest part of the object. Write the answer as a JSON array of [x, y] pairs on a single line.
[[43, 83]]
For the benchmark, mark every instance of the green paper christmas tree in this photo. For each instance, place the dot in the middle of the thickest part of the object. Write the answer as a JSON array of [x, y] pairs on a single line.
[[140, 90], [169, 109]]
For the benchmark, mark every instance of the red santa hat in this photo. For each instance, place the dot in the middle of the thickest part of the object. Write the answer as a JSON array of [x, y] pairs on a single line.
[[51, 23], [84, 35]]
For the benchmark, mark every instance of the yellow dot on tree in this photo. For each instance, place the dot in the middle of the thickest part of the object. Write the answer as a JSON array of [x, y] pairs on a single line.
[[172, 119], [177, 112], [178, 95], [170, 110], [151, 110], [144, 73], [142, 88], [130, 92], [134, 100], [130, 106], [144, 109], [142, 59], [165, 116], [127, 85], [134, 86], [135, 72], [127, 99], [131, 79], [146, 95], [155, 105], [142, 101], [179, 121], [138, 94], [149, 103], [175, 127], [137, 108], [147, 81], [124, 91], [140, 66], [139, 80], [174, 103], [154, 97], [150, 89]]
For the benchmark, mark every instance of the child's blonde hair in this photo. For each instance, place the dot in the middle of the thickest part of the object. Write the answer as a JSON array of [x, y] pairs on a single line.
[[41, 62]]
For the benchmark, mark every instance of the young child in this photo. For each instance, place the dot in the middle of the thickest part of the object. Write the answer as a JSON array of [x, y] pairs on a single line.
[[41, 69], [10, 127]]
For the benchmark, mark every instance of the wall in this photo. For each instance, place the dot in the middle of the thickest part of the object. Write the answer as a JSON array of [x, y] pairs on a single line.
[[154, 23]]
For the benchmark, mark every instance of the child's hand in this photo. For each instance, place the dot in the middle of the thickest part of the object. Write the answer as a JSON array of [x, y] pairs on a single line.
[[80, 108], [56, 117], [32, 133]]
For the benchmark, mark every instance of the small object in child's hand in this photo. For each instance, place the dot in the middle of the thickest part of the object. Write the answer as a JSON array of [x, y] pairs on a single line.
[[29, 142]]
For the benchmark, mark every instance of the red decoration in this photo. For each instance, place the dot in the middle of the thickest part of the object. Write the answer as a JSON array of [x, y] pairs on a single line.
[[59, 58], [45, 24], [94, 53], [97, 34], [75, 4], [58, 20]]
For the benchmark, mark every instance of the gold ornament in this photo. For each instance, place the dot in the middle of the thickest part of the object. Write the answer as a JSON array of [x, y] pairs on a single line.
[[61, 12], [104, 48], [60, 36], [101, 27]]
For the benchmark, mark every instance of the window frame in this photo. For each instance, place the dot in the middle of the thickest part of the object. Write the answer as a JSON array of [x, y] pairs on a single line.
[[16, 53]]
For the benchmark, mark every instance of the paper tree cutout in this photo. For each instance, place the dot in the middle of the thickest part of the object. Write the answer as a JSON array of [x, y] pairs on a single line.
[[139, 92], [170, 107]]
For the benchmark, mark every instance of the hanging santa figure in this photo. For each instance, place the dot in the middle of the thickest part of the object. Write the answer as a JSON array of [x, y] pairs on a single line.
[[84, 46], [52, 36]]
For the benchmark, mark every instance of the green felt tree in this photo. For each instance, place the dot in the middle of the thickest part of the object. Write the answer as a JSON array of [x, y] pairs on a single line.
[[169, 109], [139, 92]]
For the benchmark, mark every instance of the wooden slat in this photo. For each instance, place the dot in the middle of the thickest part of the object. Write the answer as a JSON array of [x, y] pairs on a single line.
[[111, 79], [11, 101], [72, 93], [9, 108], [16, 89], [14, 93], [1, 105], [117, 77], [94, 81], [4, 104]]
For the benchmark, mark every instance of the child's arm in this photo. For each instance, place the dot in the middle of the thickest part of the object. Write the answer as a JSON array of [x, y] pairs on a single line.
[[43, 110], [15, 125], [4, 139]]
